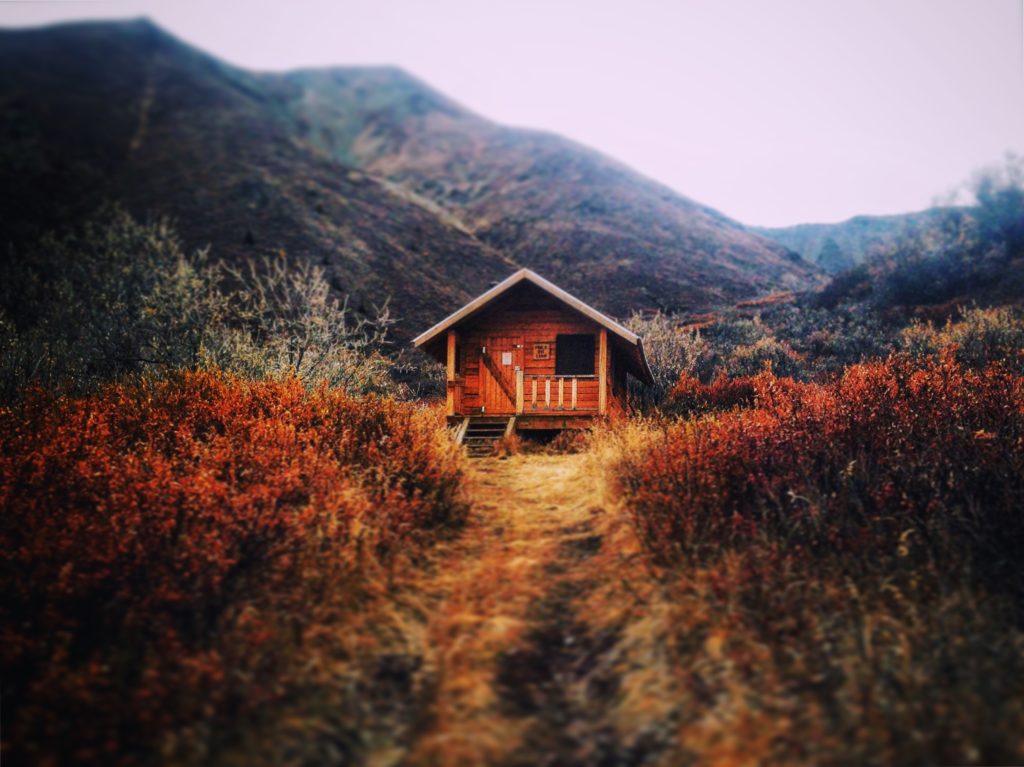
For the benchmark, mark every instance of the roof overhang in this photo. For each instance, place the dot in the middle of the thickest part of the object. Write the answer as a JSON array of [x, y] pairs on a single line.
[[525, 275]]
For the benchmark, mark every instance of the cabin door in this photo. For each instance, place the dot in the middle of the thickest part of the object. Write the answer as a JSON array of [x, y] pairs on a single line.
[[499, 358]]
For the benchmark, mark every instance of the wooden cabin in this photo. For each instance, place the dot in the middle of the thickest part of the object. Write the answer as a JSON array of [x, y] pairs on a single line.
[[528, 355]]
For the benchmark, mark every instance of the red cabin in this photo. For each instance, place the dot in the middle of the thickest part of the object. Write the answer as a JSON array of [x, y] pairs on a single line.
[[528, 355]]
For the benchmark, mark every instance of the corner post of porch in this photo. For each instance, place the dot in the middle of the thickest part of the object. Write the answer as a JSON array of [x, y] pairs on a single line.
[[520, 391], [602, 372], [450, 374]]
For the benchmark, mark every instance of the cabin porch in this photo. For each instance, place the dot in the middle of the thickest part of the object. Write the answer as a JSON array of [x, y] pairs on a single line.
[[536, 398], [479, 433], [531, 422]]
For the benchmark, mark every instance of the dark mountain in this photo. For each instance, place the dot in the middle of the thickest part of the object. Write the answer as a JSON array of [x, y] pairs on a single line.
[[124, 112], [838, 247], [393, 188], [590, 222]]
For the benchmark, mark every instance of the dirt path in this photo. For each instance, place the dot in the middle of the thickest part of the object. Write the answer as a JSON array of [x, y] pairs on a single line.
[[525, 612]]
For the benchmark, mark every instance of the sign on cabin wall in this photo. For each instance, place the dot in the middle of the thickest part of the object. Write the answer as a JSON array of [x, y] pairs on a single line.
[[506, 358], [542, 351]]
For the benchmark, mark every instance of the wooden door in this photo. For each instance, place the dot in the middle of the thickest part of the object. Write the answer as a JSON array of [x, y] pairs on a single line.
[[499, 358]]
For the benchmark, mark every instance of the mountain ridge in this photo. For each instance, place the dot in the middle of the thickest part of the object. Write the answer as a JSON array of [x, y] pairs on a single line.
[[853, 240], [488, 175], [395, 189]]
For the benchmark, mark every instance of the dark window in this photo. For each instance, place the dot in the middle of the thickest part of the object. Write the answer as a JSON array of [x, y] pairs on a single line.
[[574, 355]]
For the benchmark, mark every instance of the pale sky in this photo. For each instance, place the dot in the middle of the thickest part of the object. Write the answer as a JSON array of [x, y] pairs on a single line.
[[775, 112]]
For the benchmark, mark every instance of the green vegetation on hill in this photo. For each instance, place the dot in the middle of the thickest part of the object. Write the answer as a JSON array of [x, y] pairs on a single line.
[[964, 271], [970, 254], [116, 298]]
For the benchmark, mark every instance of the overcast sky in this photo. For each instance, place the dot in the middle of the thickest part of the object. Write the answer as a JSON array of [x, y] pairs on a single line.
[[773, 111]]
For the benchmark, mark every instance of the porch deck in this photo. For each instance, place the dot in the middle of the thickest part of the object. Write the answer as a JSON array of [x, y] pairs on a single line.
[[540, 421]]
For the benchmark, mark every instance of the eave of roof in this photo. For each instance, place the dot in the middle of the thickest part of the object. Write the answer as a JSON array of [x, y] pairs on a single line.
[[526, 275]]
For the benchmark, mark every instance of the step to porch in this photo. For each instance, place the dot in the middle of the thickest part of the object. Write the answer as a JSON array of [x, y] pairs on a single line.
[[479, 433]]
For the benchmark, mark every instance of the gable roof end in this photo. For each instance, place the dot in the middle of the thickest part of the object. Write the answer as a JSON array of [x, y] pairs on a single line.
[[526, 275]]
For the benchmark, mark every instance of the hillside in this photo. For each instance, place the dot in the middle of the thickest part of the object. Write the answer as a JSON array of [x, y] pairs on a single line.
[[837, 247], [124, 112], [392, 188], [589, 222]]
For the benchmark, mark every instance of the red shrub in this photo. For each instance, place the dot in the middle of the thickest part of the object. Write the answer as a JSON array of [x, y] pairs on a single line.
[[893, 449], [136, 519], [690, 396]]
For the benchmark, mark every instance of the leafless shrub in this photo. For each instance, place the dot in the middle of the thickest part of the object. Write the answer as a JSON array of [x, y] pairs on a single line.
[[118, 297], [671, 352], [284, 319]]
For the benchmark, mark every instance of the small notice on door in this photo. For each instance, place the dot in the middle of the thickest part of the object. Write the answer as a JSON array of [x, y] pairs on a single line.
[[506, 358]]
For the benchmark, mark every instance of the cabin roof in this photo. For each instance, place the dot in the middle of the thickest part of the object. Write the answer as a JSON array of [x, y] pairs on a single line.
[[641, 369]]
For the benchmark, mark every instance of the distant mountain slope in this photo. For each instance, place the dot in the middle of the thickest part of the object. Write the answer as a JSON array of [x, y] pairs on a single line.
[[124, 112], [394, 189], [584, 219], [837, 247]]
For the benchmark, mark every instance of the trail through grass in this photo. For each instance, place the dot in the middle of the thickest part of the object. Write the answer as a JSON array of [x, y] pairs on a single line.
[[529, 669]]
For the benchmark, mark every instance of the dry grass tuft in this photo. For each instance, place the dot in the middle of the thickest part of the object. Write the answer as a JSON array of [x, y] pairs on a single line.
[[508, 446]]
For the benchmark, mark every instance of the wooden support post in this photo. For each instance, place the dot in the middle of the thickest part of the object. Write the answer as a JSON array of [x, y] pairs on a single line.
[[561, 392], [602, 372], [533, 394], [547, 392], [574, 394], [520, 390], [450, 374]]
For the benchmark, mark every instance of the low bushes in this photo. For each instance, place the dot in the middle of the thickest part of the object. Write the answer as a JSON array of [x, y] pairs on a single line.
[[690, 396], [169, 545], [978, 338], [891, 449], [841, 566]]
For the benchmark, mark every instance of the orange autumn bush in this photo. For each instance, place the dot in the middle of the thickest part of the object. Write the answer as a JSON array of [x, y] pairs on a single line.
[[690, 395], [841, 567], [153, 531], [891, 449]]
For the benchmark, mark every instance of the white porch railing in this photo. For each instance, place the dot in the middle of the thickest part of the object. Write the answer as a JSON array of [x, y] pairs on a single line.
[[551, 393]]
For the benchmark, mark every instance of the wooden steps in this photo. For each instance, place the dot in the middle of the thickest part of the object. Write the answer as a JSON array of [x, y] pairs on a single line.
[[479, 433]]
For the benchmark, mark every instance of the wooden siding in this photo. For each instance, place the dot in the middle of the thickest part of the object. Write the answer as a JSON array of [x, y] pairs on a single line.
[[523, 288], [497, 390], [452, 399], [616, 385], [533, 319]]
